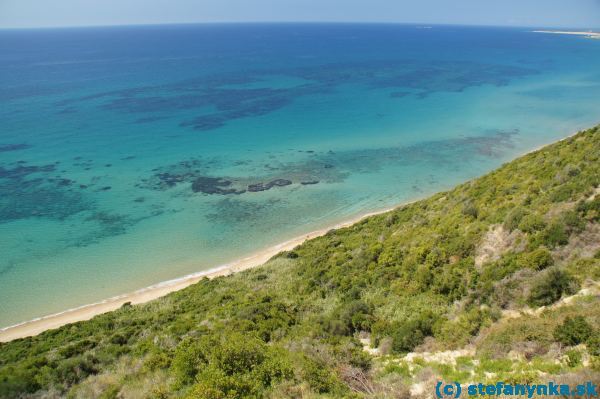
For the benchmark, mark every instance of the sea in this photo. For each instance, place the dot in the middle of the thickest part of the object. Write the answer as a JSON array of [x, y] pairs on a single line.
[[135, 155]]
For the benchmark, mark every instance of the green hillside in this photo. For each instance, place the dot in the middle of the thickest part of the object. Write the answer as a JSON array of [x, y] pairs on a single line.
[[465, 271]]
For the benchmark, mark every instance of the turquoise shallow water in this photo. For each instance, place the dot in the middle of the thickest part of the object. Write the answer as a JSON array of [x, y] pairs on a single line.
[[130, 156]]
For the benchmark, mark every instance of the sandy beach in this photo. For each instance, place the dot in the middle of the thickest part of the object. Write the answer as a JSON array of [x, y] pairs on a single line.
[[87, 312], [593, 35]]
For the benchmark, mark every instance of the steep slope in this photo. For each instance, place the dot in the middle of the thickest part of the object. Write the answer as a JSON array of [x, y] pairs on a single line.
[[445, 273]]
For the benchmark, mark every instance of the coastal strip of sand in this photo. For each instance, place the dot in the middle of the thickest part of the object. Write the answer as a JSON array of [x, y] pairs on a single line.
[[87, 312], [590, 34]]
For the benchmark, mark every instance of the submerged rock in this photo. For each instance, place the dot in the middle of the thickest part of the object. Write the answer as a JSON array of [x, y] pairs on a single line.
[[213, 185], [13, 147], [308, 182], [266, 186], [64, 182], [280, 182], [258, 187], [21, 171], [169, 179]]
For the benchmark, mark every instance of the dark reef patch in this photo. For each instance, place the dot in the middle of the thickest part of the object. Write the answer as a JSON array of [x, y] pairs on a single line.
[[37, 199], [399, 94], [169, 176], [106, 224], [25, 91], [217, 102], [326, 167], [9, 266], [450, 152], [197, 174], [149, 119], [14, 147], [35, 191], [62, 182], [213, 185], [21, 171], [267, 186]]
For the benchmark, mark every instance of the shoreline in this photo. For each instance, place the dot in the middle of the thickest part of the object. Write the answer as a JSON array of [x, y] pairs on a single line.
[[589, 35], [147, 294], [155, 291]]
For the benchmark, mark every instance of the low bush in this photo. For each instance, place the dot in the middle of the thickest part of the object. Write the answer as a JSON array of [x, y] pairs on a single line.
[[531, 223], [538, 259]]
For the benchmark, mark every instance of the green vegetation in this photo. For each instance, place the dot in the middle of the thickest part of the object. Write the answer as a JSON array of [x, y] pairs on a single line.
[[550, 287], [573, 331], [410, 279]]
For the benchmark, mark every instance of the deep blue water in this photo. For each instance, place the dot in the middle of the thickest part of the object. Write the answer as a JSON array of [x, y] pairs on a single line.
[[134, 155]]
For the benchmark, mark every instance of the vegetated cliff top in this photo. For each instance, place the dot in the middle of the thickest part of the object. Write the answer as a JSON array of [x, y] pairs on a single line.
[[470, 270]]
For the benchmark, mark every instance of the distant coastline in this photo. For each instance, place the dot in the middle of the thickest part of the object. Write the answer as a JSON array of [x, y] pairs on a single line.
[[589, 34]]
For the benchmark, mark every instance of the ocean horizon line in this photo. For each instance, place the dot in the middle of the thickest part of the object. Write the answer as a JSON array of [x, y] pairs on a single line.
[[290, 22]]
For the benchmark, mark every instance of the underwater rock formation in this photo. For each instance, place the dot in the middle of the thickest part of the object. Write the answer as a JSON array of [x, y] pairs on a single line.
[[213, 185], [267, 186], [13, 147]]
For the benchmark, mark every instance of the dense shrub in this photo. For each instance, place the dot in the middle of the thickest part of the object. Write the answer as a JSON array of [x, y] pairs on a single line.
[[573, 222], [469, 209], [593, 343], [550, 286], [590, 210], [573, 358], [408, 335], [573, 331], [531, 223], [319, 376], [233, 364], [555, 234]]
